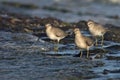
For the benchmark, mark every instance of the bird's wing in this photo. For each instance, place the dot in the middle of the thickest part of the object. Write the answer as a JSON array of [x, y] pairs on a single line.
[[88, 41], [99, 26], [58, 32]]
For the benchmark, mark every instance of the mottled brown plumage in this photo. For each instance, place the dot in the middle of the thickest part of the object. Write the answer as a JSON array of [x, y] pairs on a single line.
[[96, 30], [55, 33], [82, 41]]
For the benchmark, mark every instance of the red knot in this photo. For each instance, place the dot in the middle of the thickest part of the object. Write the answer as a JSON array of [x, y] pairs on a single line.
[[97, 30], [82, 41], [55, 33]]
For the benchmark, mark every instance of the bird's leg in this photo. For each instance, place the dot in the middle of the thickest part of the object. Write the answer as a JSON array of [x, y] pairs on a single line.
[[102, 40], [56, 47], [81, 54], [87, 52], [96, 41]]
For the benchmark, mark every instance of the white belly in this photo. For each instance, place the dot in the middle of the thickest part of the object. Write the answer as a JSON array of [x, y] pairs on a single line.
[[81, 44], [97, 33]]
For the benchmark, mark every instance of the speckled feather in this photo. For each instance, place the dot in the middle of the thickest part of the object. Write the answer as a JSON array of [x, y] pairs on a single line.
[[58, 32]]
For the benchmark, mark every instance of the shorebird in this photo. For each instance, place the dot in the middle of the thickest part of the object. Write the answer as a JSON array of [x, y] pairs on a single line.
[[55, 33], [82, 41], [97, 30]]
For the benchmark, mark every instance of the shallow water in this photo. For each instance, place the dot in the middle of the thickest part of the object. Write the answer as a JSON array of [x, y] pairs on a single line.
[[21, 57]]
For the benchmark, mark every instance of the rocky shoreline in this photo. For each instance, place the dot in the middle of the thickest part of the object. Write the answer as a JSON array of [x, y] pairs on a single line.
[[13, 22]]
